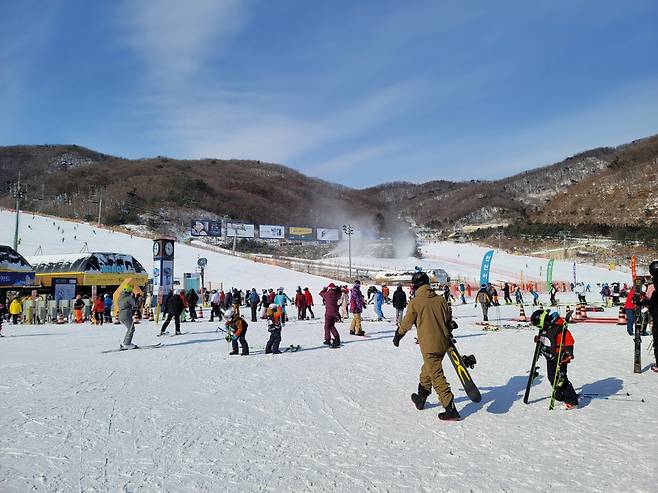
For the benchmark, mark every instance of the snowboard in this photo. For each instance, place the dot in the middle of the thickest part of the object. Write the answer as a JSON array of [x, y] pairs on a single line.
[[149, 346], [464, 376], [291, 349], [533, 369], [179, 334]]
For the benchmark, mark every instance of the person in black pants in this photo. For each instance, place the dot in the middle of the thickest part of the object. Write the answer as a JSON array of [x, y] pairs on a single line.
[[652, 303], [192, 300], [174, 307]]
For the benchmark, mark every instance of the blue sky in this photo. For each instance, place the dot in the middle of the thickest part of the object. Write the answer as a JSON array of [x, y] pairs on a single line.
[[355, 92]]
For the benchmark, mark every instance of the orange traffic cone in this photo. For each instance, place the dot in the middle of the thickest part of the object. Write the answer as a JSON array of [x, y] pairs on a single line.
[[60, 318], [135, 319], [116, 319], [621, 318], [522, 317], [577, 316], [200, 312], [583, 311]]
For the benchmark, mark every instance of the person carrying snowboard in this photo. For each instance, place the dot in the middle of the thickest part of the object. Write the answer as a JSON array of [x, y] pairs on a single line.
[[553, 345], [236, 326], [431, 316]]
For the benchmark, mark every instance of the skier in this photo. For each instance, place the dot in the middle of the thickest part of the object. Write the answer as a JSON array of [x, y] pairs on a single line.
[[431, 316], [462, 293], [282, 300], [535, 296], [493, 294], [300, 303], [506, 293], [399, 303], [236, 326], [580, 292], [174, 307], [192, 300], [78, 305], [356, 307], [484, 298], [309, 301], [552, 327], [253, 304], [553, 294], [274, 328], [330, 295], [107, 302], [518, 297], [127, 305]]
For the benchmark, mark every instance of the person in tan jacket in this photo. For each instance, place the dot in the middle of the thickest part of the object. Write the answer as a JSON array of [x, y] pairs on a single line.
[[433, 320]]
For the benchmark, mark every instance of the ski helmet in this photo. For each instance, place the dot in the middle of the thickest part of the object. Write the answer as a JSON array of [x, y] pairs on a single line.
[[538, 318], [419, 279], [228, 314], [273, 306], [653, 268]]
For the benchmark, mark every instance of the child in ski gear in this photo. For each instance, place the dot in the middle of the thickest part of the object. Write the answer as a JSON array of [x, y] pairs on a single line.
[[553, 345], [399, 303], [356, 307], [330, 295], [484, 298], [274, 328], [462, 293], [431, 316], [518, 297], [236, 326]]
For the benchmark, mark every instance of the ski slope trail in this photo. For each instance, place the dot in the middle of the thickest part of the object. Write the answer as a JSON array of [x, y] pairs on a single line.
[[189, 417]]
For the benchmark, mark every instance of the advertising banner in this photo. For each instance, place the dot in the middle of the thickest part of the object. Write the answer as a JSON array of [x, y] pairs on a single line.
[[271, 232], [17, 279], [326, 234], [549, 275], [299, 233], [201, 227], [486, 267], [240, 230], [64, 288]]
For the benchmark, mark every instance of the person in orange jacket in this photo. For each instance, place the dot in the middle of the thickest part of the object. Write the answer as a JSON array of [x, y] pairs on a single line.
[[78, 305]]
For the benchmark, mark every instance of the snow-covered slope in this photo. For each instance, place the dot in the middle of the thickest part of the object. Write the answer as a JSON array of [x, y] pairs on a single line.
[[55, 236]]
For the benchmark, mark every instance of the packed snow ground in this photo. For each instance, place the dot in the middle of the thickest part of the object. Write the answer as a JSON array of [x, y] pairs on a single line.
[[188, 417]]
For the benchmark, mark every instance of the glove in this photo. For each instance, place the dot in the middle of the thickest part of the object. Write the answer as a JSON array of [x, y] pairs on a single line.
[[396, 338]]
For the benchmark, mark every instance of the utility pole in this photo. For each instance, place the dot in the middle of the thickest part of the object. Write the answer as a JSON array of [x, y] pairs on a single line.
[[18, 191], [564, 235], [100, 205], [349, 231]]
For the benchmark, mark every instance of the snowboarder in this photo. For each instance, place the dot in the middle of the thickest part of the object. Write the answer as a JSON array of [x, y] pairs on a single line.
[[552, 344], [309, 302], [431, 316], [174, 307], [330, 295], [127, 305], [518, 296], [274, 328], [236, 326], [484, 298], [356, 307], [399, 303]]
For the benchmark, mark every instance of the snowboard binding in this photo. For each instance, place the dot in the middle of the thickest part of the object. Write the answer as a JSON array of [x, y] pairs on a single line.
[[469, 361]]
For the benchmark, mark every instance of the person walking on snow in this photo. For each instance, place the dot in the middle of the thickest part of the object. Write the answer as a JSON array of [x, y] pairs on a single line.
[[483, 297], [506, 294], [127, 306], [399, 303], [107, 302], [282, 300], [379, 301], [264, 304], [356, 307], [174, 306], [15, 310], [254, 299], [431, 316], [518, 297], [309, 302], [344, 302], [300, 303], [330, 295], [652, 303], [99, 310], [192, 300]]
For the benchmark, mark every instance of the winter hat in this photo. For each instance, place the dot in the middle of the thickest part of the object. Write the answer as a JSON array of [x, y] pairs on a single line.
[[331, 285], [357, 283], [128, 288]]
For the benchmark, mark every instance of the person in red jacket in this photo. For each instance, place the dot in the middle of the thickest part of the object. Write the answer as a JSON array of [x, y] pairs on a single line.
[[309, 302], [331, 294], [99, 309], [300, 303]]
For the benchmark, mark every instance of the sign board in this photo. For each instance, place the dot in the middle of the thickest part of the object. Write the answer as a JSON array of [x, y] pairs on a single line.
[[240, 230], [300, 233], [64, 288], [17, 279], [202, 262], [202, 227], [271, 232], [325, 234]]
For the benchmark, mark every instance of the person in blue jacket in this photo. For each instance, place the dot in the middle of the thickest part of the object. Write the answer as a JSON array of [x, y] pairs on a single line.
[[107, 312]]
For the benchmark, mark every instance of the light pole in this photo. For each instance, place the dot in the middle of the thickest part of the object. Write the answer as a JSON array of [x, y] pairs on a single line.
[[349, 231], [18, 191], [564, 235]]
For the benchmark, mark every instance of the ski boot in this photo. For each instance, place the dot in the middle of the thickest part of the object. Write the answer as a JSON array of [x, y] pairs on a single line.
[[450, 414], [128, 346], [361, 333], [327, 342], [420, 398], [233, 353], [336, 342], [352, 333]]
